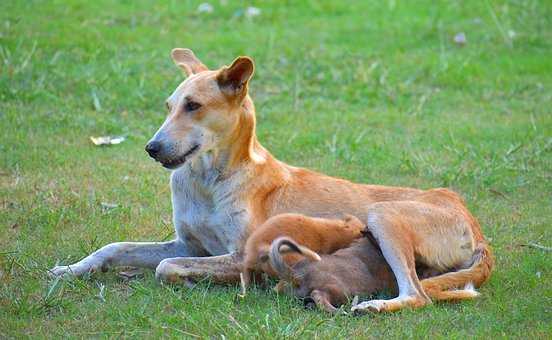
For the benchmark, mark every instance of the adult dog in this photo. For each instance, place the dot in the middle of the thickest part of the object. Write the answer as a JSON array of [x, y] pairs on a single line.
[[224, 184]]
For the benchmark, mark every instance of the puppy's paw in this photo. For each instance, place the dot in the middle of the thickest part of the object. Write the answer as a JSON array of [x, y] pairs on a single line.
[[372, 306]]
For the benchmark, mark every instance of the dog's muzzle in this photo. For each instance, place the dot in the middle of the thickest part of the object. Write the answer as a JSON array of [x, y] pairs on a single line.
[[155, 150]]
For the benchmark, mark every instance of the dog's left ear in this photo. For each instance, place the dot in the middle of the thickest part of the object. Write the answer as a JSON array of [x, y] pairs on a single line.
[[233, 79], [187, 61]]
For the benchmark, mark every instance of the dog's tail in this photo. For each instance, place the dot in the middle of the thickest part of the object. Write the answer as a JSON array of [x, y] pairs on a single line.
[[283, 245], [460, 284]]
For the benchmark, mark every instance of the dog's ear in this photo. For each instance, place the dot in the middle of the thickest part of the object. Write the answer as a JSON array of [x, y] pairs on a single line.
[[187, 61], [233, 79]]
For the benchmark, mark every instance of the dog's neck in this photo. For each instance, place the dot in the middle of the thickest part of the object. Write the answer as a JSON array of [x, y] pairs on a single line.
[[243, 146], [239, 150]]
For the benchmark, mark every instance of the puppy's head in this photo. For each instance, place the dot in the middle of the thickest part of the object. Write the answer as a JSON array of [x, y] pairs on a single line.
[[354, 224], [203, 111]]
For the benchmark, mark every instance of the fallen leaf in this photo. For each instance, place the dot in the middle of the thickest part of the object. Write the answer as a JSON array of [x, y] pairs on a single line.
[[131, 273], [108, 206], [107, 140]]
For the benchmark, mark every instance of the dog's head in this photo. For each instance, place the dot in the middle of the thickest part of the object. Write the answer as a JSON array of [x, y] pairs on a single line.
[[203, 110]]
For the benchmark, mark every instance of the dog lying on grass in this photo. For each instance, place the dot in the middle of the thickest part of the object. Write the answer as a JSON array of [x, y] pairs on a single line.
[[359, 270], [225, 184], [319, 235]]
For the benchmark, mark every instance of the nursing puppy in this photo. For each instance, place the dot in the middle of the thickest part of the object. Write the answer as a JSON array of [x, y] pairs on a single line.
[[359, 270], [331, 280], [316, 235]]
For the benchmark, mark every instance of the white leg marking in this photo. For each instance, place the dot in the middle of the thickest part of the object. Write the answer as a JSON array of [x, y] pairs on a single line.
[[407, 290], [135, 254]]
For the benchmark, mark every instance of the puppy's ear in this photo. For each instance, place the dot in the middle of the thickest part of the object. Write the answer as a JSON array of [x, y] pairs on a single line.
[[233, 79], [187, 61], [353, 221]]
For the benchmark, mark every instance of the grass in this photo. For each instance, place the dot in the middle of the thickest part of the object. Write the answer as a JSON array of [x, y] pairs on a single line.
[[374, 91]]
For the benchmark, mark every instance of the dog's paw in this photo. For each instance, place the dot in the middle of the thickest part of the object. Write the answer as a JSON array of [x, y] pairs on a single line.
[[58, 271], [74, 270], [372, 306]]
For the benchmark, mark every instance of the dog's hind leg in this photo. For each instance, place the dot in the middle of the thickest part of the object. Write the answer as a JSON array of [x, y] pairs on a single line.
[[436, 236], [135, 254], [467, 293], [398, 251], [460, 285]]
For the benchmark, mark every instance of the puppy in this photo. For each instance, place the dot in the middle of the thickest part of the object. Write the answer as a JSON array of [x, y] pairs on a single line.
[[331, 280], [316, 235]]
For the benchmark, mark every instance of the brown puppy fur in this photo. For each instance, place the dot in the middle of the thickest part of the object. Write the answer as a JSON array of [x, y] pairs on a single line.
[[321, 235], [359, 269], [332, 280]]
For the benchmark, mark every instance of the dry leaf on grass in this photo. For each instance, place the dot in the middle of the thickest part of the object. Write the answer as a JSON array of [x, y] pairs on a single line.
[[131, 273], [108, 206], [107, 140]]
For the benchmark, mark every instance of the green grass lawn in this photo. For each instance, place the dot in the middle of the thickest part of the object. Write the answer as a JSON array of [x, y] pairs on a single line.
[[375, 91]]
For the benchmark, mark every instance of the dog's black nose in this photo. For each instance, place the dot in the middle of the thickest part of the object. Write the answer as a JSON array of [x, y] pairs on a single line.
[[153, 148]]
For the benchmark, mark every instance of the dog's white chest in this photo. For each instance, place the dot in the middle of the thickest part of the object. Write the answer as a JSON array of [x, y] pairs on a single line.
[[207, 213]]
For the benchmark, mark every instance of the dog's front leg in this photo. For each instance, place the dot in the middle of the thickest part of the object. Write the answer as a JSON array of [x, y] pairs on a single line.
[[135, 254], [220, 269]]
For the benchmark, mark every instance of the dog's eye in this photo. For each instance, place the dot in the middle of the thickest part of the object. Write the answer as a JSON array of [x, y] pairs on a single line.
[[191, 106]]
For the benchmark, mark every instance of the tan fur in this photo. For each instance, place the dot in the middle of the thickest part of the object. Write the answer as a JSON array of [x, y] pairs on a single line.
[[432, 227], [225, 185], [323, 236]]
